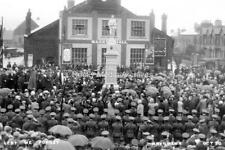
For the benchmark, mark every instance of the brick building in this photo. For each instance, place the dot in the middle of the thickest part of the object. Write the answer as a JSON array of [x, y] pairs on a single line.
[[212, 43], [84, 29]]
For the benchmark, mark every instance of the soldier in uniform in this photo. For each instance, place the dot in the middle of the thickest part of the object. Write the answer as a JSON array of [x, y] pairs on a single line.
[[145, 126], [117, 129], [185, 137], [30, 124], [204, 115], [65, 117], [189, 125], [155, 128], [10, 112], [133, 110], [73, 125], [4, 119], [43, 121], [193, 137], [17, 120], [184, 116], [126, 117], [222, 124], [47, 112], [201, 145], [97, 116], [91, 126], [138, 119], [52, 121], [203, 127], [214, 122], [85, 115], [166, 126], [82, 127], [213, 139], [160, 120], [22, 112], [222, 139], [73, 113], [178, 128], [103, 124], [130, 130], [172, 118], [194, 115]]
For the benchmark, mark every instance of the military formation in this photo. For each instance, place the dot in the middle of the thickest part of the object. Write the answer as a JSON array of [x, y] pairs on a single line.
[[187, 117]]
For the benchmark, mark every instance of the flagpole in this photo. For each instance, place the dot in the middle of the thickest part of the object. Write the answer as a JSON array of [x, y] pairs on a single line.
[[1, 43]]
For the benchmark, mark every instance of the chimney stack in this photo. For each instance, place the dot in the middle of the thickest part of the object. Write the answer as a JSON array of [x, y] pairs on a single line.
[[164, 23], [152, 20], [28, 23], [70, 4], [152, 25]]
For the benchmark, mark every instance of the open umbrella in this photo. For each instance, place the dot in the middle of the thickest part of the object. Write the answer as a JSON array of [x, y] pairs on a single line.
[[61, 130], [163, 75], [103, 143], [220, 148], [217, 72], [159, 78], [59, 145], [166, 91], [130, 91], [204, 87], [214, 82], [78, 140], [4, 91], [179, 77], [151, 91]]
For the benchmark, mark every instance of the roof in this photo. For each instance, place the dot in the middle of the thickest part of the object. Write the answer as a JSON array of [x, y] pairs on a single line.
[[44, 28], [189, 32], [20, 30], [101, 7], [159, 33]]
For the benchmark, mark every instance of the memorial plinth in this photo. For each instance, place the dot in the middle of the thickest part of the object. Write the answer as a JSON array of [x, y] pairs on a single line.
[[111, 69]]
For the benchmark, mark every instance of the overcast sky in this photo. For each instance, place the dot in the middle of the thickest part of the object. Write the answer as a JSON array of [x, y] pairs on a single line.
[[181, 13]]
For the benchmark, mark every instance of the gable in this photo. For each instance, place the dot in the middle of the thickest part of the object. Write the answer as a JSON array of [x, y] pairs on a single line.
[[50, 29], [20, 30]]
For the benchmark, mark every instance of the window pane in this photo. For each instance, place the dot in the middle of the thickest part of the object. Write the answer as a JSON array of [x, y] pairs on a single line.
[[137, 56], [138, 28], [79, 26], [79, 55]]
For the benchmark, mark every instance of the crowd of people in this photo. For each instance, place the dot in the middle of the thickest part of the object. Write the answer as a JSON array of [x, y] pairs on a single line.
[[157, 110]]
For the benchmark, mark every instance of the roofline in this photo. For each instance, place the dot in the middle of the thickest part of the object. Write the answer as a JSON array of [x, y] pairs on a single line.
[[40, 29]]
